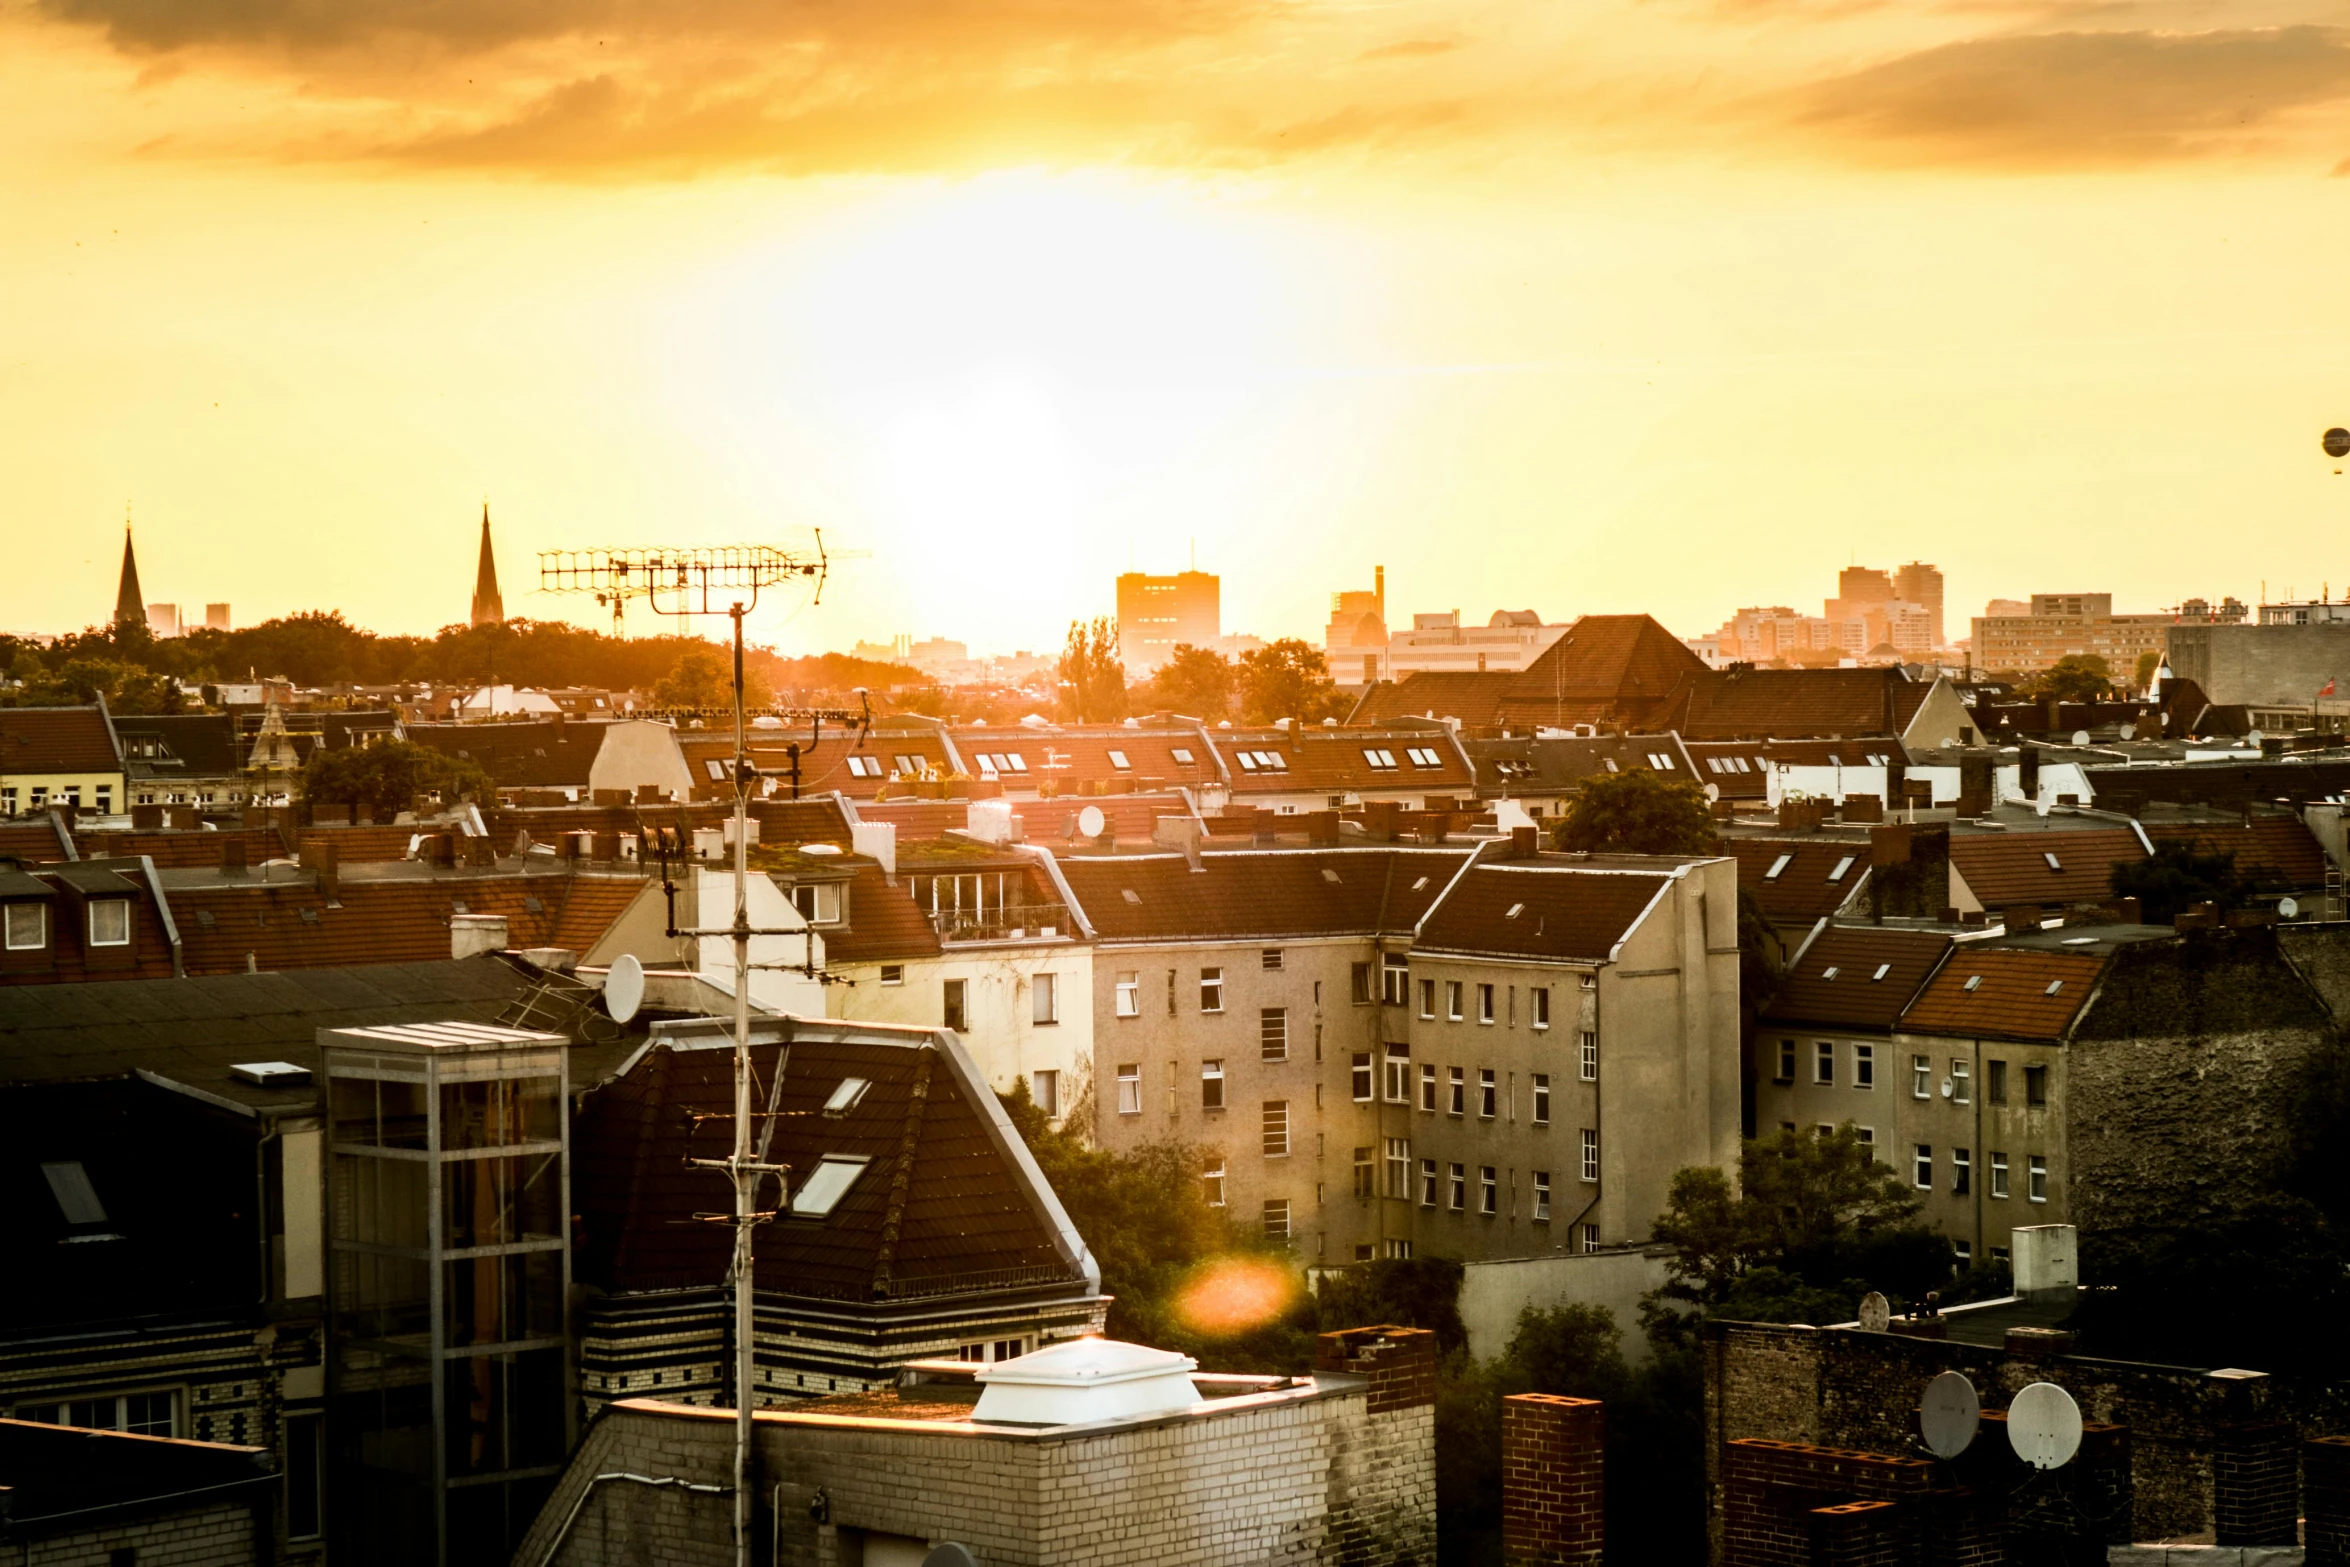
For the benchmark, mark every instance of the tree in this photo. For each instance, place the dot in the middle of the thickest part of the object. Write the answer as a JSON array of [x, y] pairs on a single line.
[[2176, 877], [1638, 812], [1814, 1224], [2148, 662], [1093, 681], [387, 777], [1288, 679], [79, 681], [704, 677], [2076, 677], [1195, 682]]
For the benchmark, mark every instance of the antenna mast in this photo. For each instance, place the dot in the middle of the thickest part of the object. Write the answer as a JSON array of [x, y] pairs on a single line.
[[719, 580]]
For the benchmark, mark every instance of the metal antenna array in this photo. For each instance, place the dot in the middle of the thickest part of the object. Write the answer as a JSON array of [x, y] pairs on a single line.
[[717, 580]]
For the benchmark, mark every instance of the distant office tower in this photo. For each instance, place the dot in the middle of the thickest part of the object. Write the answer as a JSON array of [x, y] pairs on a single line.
[[1920, 584], [129, 608], [488, 607], [216, 617], [1863, 585], [2058, 625], [1158, 614], [1354, 644], [163, 619]]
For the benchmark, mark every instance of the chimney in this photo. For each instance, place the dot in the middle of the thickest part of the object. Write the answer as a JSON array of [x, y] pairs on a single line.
[[146, 818], [185, 818], [324, 857], [1525, 843], [2027, 771], [470, 935], [2046, 1260], [1322, 827], [232, 854], [1379, 820], [876, 840]]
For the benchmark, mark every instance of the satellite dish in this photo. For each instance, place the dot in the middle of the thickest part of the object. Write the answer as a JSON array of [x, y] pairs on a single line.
[[2287, 908], [2254, 736], [950, 1555], [2080, 737], [2337, 442], [1090, 822], [1949, 1414], [1876, 1312], [2044, 1426], [624, 987]]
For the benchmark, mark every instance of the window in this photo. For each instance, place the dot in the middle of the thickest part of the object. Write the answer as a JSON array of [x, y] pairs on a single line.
[[1380, 761], [1399, 1075], [1542, 1196], [1211, 990], [1488, 1191], [1270, 960], [1428, 1088], [1843, 864], [1399, 1168], [1995, 1081], [1366, 1175], [1542, 1099], [1452, 999], [1359, 1076], [1823, 1065], [110, 922], [1129, 993], [1786, 1072], [826, 1185], [1396, 1250], [1395, 979], [2036, 1178], [1661, 762], [147, 1414], [1456, 1177], [846, 1096], [1118, 760], [908, 765], [1924, 1173], [1459, 1091], [1276, 1128], [1486, 1096], [1130, 1088], [1427, 1183], [1484, 1003], [2035, 1086], [304, 1469], [1998, 1173], [1182, 755], [1211, 1085], [893, 973], [1428, 998], [1962, 1170], [952, 1004], [1539, 1005], [1273, 1033], [818, 902], [1422, 756], [1591, 1153], [1866, 1136], [1045, 998], [27, 927], [1362, 984], [1277, 1217], [1212, 1180], [1864, 1065], [1778, 866], [865, 767], [1045, 1089], [1961, 1084], [1921, 1078], [1591, 1237], [714, 767]]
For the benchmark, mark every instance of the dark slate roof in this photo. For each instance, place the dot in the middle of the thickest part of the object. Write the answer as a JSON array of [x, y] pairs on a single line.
[[944, 1205], [1247, 894], [1537, 910], [1611, 670], [1855, 976], [202, 745], [1754, 704], [193, 1030], [55, 740], [1527, 766], [61, 1479], [1807, 887], [521, 754], [2279, 853], [883, 923]]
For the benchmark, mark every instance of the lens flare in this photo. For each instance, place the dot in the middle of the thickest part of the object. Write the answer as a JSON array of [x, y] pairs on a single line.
[[1235, 1295]]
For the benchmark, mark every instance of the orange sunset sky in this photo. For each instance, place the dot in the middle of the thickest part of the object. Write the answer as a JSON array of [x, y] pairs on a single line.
[[1578, 305]]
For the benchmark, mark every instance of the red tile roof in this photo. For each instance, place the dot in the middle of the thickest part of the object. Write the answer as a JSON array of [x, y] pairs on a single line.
[[2004, 992], [1808, 886], [34, 840], [1053, 821], [826, 764], [2003, 870], [1788, 704], [1248, 894], [883, 924], [184, 850], [40, 740], [1080, 757], [1534, 910], [2279, 853], [1856, 976], [1339, 761]]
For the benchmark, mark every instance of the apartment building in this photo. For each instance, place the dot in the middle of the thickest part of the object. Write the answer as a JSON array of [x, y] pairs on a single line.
[[2060, 625], [1386, 1050]]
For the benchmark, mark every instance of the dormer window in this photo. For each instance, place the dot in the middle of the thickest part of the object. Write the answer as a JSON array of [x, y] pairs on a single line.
[[110, 922], [25, 927], [818, 902]]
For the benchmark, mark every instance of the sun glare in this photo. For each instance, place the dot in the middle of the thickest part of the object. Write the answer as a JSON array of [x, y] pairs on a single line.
[[1236, 1295]]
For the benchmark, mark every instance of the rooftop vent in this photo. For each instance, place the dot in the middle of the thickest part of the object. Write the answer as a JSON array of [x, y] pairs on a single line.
[[1086, 1380], [271, 1074]]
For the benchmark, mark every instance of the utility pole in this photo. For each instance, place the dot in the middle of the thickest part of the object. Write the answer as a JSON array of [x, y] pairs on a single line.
[[684, 583]]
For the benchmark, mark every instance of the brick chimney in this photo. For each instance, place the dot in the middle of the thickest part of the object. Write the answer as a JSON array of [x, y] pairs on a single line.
[[324, 857], [1400, 1363], [1525, 843], [232, 854], [473, 934], [1552, 1491]]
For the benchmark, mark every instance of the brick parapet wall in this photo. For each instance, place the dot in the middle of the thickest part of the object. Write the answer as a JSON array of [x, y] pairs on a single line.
[[1553, 1501], [217, 1536], [1399, 1363], [2255, 1486], [2325, 1500]]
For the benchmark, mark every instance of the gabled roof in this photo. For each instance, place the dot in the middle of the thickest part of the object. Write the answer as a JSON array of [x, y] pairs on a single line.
[[833, 762], [64, 1480], [808, 820], [2278, 852], [2005, 993], [1080, 756], [1250, 894], [1855, 976], [1814, 876], [201, 745], [40, 740], [34, 840], [183, 849], [2004, 870], [1527, 766], [883, 925], [1757, 704], [1351, 759], [941, 1204], [1740, 769], [1534, 910], [1621, 670], [524, 754]]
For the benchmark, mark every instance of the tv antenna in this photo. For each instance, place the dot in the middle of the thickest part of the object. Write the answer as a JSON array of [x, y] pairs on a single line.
[[715, 580]]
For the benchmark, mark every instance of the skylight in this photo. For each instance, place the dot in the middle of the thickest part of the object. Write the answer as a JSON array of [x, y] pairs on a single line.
[[1130, 895], [1329, 875], [1829, 972], [2054, 986], [1516, 909], [1421, 885], [1972, 980], [845, 1097], [2050, 856], [1247, 760], [1118, 760], [1778, 865], [1883, 969], [1182, 756], [826, 1185], [76, 1198], [1842, 866], [1381, 760]]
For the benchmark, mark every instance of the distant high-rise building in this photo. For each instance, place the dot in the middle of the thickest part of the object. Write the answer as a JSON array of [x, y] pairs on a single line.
[[1158, 614], [1863, 585], [1920, 584], [130, 609], [488, 607], [1354, 644], [2060, 625], [216, 617], [163, 619]]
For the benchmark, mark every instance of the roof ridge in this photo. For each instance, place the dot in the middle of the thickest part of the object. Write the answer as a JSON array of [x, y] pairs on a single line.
[[901, 1179]]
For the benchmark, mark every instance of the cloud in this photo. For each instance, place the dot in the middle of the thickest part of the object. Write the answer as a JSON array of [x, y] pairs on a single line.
[[1412, 49], [2080, 98]]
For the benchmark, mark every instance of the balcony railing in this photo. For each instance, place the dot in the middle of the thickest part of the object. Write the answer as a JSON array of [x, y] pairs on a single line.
[[1033, 921]]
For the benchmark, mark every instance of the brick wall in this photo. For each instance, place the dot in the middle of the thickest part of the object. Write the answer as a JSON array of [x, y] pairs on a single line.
[[1399, 1363], [2325, 1500], [2256, 1497], [1553, 1492], [219, 1536]]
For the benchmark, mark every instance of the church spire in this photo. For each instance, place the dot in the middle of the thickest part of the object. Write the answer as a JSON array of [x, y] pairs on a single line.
[[488, 607], [129, 608]]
